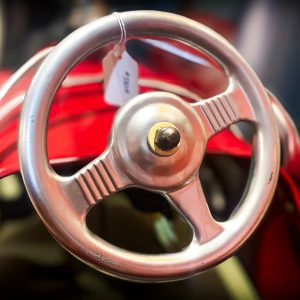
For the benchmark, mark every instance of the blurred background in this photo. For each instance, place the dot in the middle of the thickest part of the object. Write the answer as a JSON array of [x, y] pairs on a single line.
[[266, 32]]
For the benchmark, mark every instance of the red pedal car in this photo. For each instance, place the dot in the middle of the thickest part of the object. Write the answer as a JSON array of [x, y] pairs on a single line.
[[197, 171]]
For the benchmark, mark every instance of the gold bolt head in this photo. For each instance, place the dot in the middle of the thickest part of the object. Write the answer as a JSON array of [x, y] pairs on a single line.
[[164, 139]]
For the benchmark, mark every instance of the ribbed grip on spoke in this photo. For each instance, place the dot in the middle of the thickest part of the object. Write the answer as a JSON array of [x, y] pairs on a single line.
[[220, 112], [96, 182]]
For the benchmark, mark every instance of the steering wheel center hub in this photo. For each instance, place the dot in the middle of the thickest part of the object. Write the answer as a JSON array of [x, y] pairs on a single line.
[[158, 140]]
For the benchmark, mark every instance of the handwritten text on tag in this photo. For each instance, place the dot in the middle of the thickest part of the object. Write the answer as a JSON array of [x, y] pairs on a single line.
[[120, 77]]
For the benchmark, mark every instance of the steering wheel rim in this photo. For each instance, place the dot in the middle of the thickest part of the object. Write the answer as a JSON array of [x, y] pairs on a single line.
[[52, 194]]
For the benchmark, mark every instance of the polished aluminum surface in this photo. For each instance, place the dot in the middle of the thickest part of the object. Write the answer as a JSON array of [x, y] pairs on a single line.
[[62, 202]]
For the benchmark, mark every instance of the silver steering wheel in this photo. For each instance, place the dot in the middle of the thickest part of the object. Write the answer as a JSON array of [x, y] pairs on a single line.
[[157, 143]]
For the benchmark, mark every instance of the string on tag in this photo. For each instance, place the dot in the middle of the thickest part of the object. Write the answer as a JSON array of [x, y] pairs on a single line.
[[120, 71], [120, 46]]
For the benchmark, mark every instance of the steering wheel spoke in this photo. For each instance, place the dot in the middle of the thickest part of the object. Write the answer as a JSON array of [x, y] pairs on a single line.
[[224, 109], [191, 202], [96, 181]]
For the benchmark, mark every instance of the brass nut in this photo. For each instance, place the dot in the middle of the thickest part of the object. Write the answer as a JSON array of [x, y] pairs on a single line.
[[164, 139]]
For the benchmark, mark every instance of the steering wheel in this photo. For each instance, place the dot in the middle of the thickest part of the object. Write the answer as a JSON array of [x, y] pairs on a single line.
[[157, 143]]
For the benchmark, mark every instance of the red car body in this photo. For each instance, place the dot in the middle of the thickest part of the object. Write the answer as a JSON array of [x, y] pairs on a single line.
[[78, 130]]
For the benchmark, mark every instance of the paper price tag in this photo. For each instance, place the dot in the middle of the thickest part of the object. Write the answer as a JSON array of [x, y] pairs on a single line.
[[120, 76]]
